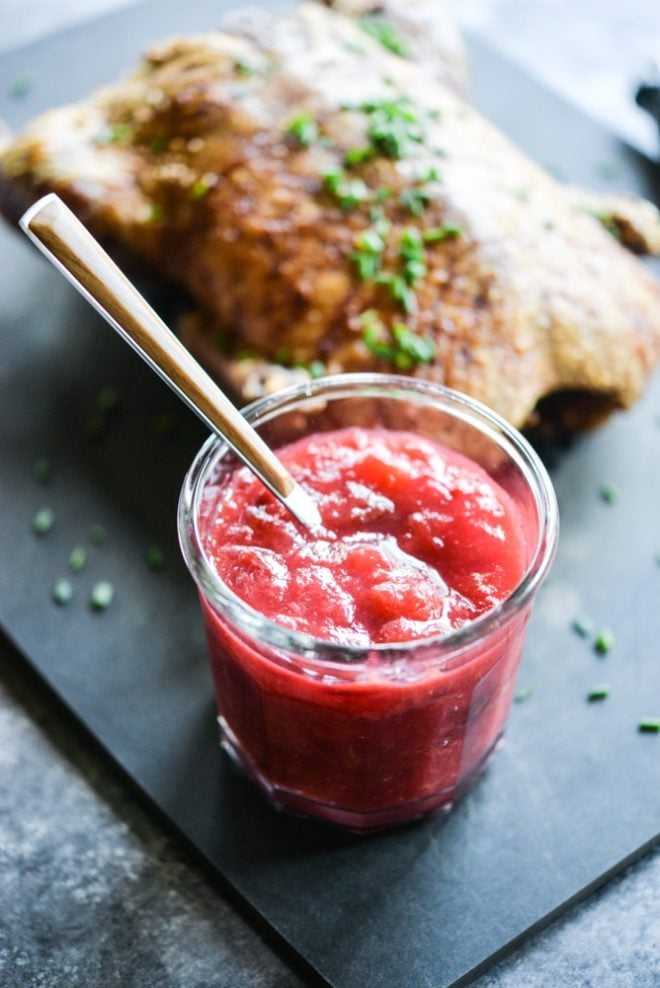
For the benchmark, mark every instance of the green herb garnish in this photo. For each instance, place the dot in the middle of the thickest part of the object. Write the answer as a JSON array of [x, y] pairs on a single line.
[[62, 592], [116, 135], [316, 369], [399, 289], [156, 212], [97, 534], [413, 255], [382, 29], [102, 595], [523, 694], [43, 521], [411, 349], [199, 189], [20, 87], [583, 627], [600, 692], [42, 470], [394, 125], [649, 725], [303, 128], [155, 558], [77, 558], [243, 69], [608, 493], [357, 156], [415, 200], [367, 256], [604, 641], [439, 233], [347, 191]]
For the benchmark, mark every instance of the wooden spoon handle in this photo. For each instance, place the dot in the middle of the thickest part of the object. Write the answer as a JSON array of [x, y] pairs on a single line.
[[72, 248]]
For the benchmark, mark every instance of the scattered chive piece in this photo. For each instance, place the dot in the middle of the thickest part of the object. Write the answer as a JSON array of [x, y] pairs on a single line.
[[158, 144], [438, 233], [117, 134], [107, 399], [604, 641], [382, 29], [77, 559], [649, 725], [523, 694], [304, 129], [156, 213], [316, 369], [608, 493], [20, 87], [347, 191], [43, 521], [102, 595], [357, 156], [97, 534], [155, 558], [583, 627], [600, 692], [243, 69], [96, 426], [42, 471], [415, 200], [198, 189], [411, 349], [62, 592], [609, 222]]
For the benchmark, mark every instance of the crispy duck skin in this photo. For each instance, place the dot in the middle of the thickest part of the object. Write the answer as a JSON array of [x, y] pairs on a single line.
[[208, 164]]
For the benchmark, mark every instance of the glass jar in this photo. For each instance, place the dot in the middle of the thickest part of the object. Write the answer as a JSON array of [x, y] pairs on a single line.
[[368, 737]]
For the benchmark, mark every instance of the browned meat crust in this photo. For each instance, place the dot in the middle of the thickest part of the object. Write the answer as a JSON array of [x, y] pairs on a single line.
[[445, 252]]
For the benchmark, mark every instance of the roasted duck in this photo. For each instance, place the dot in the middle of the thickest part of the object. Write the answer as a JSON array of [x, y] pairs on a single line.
[[330, 206]]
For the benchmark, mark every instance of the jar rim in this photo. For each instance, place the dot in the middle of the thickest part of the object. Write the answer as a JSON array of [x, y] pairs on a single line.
[[390, 386]]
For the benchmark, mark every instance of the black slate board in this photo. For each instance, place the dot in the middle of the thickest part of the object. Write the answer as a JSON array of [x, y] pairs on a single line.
[[572, 797]]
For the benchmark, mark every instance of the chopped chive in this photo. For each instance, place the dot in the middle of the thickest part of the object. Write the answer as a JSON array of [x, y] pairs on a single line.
[[102, 595], [155, 558], [62, 592], [649, 725], [115, 135], [604, 641], [439, 233], [304, 129], [42, 471], [158, 144], [411, 348], [77, 558], [43, 521], [382, 30], [357, 156], [608, 493], [97, 534], [523, 694], [583, 627], [600, 692], [415, 200], [107, 399], [382, 192], [316, 369], [243, 69], [20, 87], [199, 189], [156, 213]]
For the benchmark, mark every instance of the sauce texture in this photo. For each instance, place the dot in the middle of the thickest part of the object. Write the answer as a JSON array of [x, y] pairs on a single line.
[[416, 539]]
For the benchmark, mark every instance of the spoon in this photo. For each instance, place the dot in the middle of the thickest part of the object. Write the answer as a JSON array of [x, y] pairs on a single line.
[[60, 235]]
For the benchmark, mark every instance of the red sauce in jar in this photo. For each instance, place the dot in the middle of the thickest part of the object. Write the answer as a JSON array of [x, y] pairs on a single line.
[[417, 540]]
